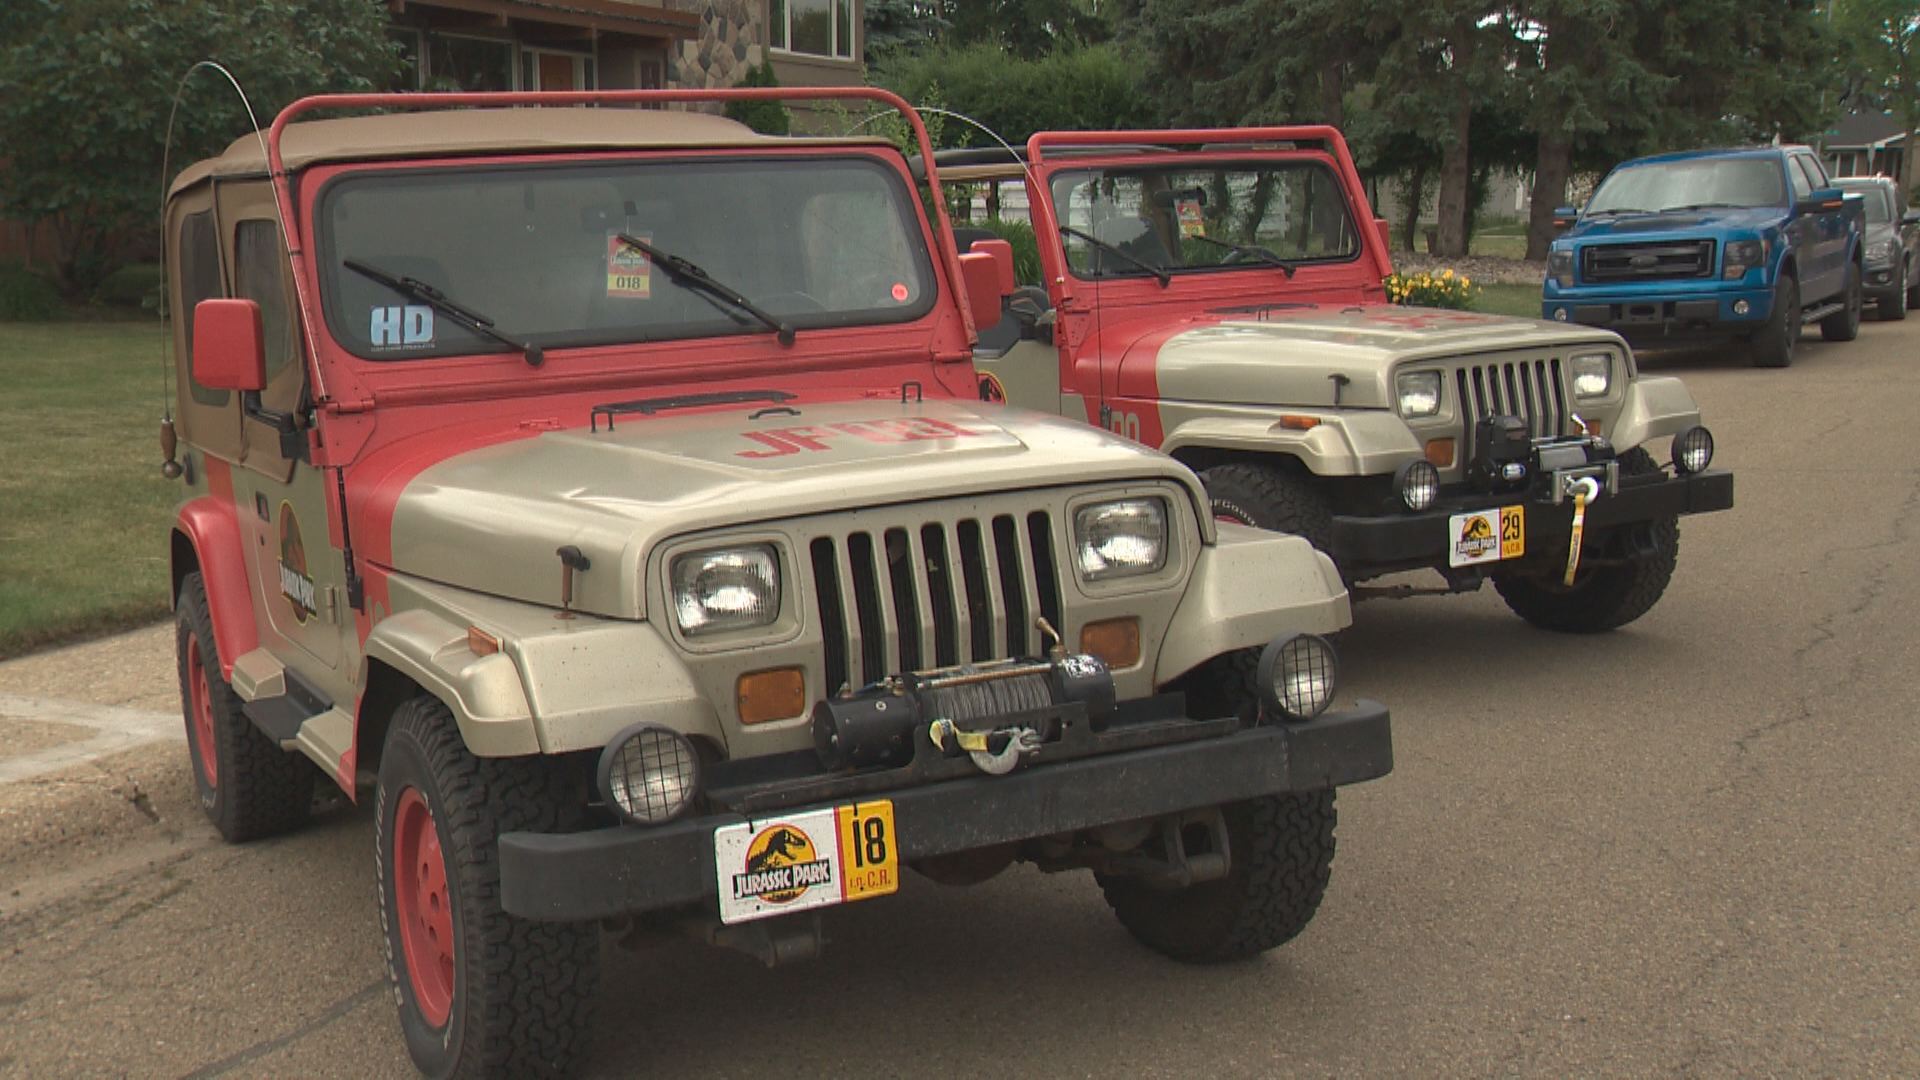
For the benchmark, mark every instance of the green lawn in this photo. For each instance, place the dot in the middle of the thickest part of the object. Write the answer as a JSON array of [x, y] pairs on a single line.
[[1509, 300], [83, 508]]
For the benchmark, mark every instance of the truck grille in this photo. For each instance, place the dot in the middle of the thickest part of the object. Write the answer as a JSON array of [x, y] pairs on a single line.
[[916, 595], [1526, 388], [1647, 262]]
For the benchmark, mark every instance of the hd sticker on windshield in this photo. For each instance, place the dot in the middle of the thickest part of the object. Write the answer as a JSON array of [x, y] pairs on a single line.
[[629, 272], [396, 327]]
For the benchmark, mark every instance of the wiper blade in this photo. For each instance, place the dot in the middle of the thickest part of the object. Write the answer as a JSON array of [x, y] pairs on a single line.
[[415, 289], [1164, 277], [1251, 249], [1706, 206], [690, 275], [1621, 210]]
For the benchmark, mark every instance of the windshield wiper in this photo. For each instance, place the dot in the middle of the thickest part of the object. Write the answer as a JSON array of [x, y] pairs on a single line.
[[415, 289], [1621, 210], [1164, 277], [692, 276], [1706, 206], [1251, 249]]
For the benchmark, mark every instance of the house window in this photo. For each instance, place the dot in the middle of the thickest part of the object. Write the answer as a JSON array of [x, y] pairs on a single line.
[[407, 41], [544, 69], [464, 63], [811, 27]]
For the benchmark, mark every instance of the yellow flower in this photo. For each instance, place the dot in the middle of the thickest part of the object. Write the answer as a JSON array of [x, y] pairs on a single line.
[[1447, 273], [1464, 282]]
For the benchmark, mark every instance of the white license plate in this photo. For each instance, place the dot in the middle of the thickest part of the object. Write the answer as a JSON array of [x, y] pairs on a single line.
[[1484, 536], [800, 861]]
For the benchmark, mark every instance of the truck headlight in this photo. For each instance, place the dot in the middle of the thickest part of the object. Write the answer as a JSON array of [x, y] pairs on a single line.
[[1120, 539], [1297, 676], [649, 774], [1592, 374], [1419, 393], [1881, 252], [726, 589], [1742, 256], [1560, 267]]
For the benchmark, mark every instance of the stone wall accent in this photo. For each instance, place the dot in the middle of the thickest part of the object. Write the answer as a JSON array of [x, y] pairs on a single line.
[[733, 36]]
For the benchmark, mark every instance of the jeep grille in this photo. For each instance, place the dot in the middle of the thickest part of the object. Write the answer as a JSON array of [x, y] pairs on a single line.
[[1647, 262], [933, 593], [1526, 388]]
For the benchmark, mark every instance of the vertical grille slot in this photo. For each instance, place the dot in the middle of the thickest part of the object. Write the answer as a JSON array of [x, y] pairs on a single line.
[[980, 610], [833, 620], [866, 602], [941, 589], [1040, 539], [1559, 395], [1529, 389], [1006, 549], [906, 601]]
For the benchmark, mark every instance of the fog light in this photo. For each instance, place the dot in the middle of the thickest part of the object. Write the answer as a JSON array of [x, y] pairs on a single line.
[[770, 695], [1418, 483], [1692, 450], [1560, 314], [649, 774], [1741, 307], [1115, 641], [1297, 676]]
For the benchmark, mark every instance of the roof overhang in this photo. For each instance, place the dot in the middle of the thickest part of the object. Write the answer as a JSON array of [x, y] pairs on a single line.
[[601, 16]]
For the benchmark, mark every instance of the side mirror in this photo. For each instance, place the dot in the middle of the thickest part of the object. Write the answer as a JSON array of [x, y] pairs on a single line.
[[229, 346], [980, 276], [1821, 200], [1564, 217], [1002, 253], [1385, 229], [1911, 217]]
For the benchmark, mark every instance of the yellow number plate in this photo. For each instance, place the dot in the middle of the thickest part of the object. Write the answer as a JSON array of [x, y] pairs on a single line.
[[799, 861]]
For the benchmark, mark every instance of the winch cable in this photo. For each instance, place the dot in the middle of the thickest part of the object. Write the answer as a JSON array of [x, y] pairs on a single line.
[[1585, 490]]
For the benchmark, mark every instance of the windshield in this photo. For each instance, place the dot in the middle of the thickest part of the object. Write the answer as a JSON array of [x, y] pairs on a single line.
[[1670, 185], [536, 250], [1878, 206], [1180, 218]]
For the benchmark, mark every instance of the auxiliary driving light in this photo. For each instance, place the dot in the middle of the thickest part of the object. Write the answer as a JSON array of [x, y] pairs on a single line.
[[1692, 450], [1418, 483], [649, 774], [1741, 307], [1297, 676]]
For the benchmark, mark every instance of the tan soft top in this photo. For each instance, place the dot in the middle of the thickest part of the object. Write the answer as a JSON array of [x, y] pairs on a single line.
[[455, 132]]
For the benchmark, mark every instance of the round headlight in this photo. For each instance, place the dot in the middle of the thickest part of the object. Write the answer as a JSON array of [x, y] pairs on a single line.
[[1297, 676], [1418, 483], [649, 774], [1692, 450]]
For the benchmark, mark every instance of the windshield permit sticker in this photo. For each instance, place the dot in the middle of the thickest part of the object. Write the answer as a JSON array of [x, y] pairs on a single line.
[[1191, 222], [629, 271], [900, 293], [397, 327], [780, 442]]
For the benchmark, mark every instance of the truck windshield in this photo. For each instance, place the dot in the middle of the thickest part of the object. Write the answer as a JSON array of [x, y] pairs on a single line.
[[1702, 182], [1180, 218], [813, 242]]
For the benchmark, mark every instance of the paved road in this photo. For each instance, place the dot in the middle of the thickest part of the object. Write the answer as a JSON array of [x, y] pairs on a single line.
[[1689, 847]]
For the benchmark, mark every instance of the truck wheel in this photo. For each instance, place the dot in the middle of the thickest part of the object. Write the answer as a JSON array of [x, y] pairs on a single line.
[[1281, 847], [1844, 325], [1913, 287], [1773, 345], [1892, 307], [480, 992], [1605, 597], [248, 786], [1269, 497]]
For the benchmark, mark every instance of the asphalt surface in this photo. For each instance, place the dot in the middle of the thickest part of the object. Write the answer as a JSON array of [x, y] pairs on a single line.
[[1685, 848]]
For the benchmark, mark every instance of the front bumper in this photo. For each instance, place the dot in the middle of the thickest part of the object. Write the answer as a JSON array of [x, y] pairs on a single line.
[[628, 870], [1365, 545], [1644, 318]]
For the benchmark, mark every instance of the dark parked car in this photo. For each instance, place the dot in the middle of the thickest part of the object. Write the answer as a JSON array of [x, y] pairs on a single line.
[[1892, 238]]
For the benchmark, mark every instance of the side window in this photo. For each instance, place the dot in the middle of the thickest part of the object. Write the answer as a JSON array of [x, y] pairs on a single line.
[[199, 280], [1816, 172], [1802, 187], [259, 275]]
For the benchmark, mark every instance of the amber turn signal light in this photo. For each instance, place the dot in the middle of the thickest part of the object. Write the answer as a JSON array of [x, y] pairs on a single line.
[[1115, 641], [481, 642], [770, 695], [1440, 453]]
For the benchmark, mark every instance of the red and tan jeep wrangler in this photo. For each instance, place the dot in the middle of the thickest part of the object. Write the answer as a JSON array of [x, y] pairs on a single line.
[[1218, 294], [604, 494]]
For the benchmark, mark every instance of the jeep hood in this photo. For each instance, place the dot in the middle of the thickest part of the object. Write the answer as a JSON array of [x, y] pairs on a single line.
[[1290, 357], [491, 519]]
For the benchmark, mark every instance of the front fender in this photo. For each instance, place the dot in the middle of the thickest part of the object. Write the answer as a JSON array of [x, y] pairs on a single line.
[[209, 527], [556, 685], [1247, 589], [1349, 443], [1654, 407]]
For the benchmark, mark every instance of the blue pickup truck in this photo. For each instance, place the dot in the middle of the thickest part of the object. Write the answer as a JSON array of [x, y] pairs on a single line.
[[1746, 245]]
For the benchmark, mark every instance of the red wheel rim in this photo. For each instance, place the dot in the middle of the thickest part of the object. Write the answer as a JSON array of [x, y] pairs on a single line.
[[424, 906], [200, 714]]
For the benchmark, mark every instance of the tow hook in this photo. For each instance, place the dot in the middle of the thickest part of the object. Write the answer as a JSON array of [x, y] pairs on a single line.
[[978, 745], [1584, 490]]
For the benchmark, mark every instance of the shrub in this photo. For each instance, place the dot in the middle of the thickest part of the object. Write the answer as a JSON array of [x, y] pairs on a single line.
[[1445, 289], [765, 117], [26, 296], [1026, 247]]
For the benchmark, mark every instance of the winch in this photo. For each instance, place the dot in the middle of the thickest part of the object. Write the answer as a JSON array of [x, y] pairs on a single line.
[[875, 725]]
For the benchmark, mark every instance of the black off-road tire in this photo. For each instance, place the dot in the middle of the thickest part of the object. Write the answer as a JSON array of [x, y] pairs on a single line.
[[1775, 343], [1892, 306], [1844, 325], [1281, 849], [1606, 597], [1913, 287], [521, 991], [256, 789], [1270, 497]]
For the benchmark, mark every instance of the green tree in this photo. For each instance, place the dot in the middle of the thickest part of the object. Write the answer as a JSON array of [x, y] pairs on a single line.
[[1096, 87], [1025, 28], [86, 86], [1884, 37], [765, 117], [901, 26]]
